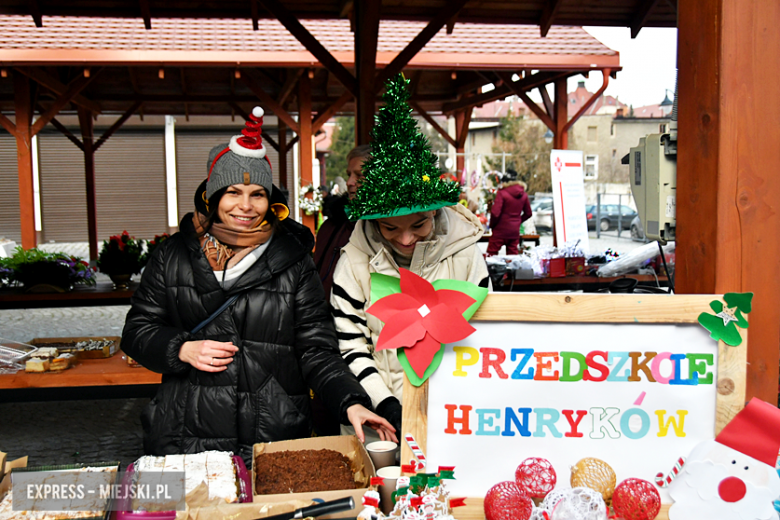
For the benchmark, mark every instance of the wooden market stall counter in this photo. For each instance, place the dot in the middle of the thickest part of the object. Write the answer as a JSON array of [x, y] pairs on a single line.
[[87, 372], [101, 294]]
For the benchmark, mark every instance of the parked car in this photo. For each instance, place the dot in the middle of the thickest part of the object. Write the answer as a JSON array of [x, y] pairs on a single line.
[[638, 230], [611, 214], [542, 213]]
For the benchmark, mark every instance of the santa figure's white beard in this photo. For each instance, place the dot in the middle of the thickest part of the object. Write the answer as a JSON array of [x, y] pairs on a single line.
[[695, 491]]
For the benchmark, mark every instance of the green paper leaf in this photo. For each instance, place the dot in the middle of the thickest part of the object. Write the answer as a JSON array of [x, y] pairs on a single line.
[[475, 291], [412, 375], [383, 285], [742, 301]]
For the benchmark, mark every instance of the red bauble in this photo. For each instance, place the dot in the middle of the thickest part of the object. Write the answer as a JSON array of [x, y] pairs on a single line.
[[505, 501], [535, 477], [636, 499]]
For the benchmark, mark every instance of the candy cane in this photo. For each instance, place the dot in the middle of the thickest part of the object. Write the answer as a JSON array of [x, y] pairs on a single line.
[[660, 481], [416, 450]]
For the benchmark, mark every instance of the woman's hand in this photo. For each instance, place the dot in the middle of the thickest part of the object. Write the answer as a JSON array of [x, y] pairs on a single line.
[[359, 415], [207, 355]]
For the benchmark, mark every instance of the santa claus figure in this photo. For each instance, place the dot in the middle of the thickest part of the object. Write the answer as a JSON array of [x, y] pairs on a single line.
[[733, 476]]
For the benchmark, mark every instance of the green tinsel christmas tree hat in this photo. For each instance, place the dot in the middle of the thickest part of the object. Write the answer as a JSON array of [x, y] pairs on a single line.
[[401, 176]]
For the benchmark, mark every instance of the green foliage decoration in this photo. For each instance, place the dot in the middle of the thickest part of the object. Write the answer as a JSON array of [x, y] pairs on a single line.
[[30, 267], [401, 176]]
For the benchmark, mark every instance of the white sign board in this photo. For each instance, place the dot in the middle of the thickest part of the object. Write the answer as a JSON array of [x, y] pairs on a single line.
[[568, 189], [637, 396]]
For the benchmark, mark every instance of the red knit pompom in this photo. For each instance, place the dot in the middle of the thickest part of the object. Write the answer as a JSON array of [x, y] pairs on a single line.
[[505, 501], [535, 477], [636, 499]]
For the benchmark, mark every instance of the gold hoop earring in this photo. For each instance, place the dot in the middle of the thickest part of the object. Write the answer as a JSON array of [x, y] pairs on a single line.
[[205, 200]]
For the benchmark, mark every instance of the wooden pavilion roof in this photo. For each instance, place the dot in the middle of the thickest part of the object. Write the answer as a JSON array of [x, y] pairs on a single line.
[[200, 66], [543, 13]]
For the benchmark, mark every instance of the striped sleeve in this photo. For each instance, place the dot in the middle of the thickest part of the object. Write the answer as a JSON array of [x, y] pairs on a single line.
[[348, 303]]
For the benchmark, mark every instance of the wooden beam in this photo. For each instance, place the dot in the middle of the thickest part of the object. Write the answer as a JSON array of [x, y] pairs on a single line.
[[146, 14], [727, 183], [75, 86], [87, 139], [293, 141], [289, 85], [536, 109], [67, 133], [462, 120], [527, 83], [546, 101], [451, 10], [311, 43], [414, 82], [133, 80], [8, 125], [451, 24], [35, 12], [331, 111], [117, 124], [306, 148], [589, 102], [24, 159], [560, 137], [270, 140], [551, 8], [366, 36], [640, 17], [270, 102], [425, 115], [283, 147], [47, 81], [255, 16]]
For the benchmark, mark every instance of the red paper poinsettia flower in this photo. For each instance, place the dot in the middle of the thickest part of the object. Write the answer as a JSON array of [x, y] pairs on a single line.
[[420, 319]]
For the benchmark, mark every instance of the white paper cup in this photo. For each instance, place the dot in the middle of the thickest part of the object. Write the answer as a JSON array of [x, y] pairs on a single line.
[[382, 453], [390, 474]]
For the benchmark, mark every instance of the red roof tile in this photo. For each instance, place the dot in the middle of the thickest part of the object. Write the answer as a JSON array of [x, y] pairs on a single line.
[[509, 45]]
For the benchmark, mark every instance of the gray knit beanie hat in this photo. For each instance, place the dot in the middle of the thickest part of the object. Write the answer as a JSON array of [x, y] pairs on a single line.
[[242, 160]]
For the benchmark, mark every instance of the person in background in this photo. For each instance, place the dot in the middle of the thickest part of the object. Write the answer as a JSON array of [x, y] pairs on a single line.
[[510, 209], [231, 311], [335, 232]]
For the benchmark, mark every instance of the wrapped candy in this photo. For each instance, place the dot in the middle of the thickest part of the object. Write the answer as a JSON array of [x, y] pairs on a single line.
[[594, 474]]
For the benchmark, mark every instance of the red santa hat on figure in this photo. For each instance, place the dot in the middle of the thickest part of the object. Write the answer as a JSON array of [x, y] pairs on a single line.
[[732, 476]]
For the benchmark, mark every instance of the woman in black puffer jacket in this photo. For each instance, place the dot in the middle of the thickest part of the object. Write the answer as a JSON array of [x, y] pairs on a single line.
[[245, 377]]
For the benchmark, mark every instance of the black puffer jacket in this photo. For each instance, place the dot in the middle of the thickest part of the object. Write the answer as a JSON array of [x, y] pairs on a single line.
[[281, 325]]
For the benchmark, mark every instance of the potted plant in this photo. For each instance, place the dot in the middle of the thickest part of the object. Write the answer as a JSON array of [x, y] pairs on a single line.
[[39, 271], [120, 258]]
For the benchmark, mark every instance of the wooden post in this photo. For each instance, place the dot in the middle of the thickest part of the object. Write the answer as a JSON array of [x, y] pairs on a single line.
[[462, 120], [366, 35], [24, 159], [87, 139], [306, 143], [561, 116], [282, 139], [727, 183]]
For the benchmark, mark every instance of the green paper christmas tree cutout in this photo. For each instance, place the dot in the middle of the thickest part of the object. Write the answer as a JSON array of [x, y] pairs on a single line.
[[723, 324], [401, 176]]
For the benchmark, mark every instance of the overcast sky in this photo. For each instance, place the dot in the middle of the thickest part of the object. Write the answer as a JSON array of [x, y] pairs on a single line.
[[649, 64]]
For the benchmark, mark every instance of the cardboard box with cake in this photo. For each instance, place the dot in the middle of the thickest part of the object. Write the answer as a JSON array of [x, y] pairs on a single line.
[[325, 468]]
